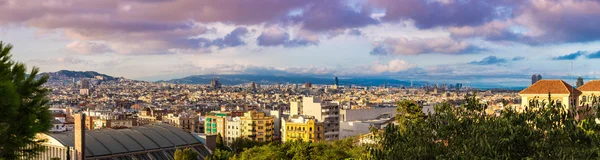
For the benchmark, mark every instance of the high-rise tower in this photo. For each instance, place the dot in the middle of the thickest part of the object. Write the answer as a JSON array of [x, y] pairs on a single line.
[[335, 81], [579, 82], [534, 79]]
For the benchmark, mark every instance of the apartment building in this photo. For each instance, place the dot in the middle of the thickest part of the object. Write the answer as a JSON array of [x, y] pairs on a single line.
[[257, 126], [305, 128], [327, 112], [189, 122], [233, 129], [215, 123]]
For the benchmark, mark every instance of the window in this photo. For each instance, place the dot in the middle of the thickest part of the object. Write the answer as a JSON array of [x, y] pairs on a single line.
[[584, 99], [558, 103], [309, 128]]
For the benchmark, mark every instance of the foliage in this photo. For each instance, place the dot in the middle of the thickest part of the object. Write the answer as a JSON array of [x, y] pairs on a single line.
[[220, 144], [23, 108], [185, 154], [240, 144], [219, 154], [541, 131], [408, 112], [341, 149]]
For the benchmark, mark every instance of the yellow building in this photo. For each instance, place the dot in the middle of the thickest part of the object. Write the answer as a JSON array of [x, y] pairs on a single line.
[[561, 92], [215, 123], [302, 127], [589, 90], [257, 126]]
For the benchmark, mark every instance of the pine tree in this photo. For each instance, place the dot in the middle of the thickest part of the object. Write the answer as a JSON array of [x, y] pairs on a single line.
[[22, 107]]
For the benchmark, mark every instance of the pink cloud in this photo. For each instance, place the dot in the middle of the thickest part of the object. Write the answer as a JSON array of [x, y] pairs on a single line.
[[87, 47], [416, 46]]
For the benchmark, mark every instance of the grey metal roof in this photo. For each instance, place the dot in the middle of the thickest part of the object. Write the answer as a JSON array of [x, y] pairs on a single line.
[[104, 142]]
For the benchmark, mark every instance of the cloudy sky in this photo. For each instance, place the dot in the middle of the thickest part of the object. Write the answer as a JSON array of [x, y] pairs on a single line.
[[484, 41]]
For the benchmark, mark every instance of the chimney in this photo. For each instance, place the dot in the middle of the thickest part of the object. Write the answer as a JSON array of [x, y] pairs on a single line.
[[80, 136]]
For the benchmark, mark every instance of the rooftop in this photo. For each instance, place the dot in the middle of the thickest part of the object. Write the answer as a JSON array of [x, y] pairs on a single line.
[[550, 86], [157, 140], [593, 85]]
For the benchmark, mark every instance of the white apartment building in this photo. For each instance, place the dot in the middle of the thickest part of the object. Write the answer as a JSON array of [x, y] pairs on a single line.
[[233, 129], [327, 112]]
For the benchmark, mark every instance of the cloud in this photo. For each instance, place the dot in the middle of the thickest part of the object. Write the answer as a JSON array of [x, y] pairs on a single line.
[[430, 14], [594, 55], [87, 47], [355, 32], [334, 14], [518, 58], [491, 60], [392, 66], [571, 56], [232, 39], [61, 60], [274, 36], [416, 46], [539, 22]]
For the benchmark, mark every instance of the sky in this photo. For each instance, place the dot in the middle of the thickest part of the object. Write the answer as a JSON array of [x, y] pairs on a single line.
[[499, 42]]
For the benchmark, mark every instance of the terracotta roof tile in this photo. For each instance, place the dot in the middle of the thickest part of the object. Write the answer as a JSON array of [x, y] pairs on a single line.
[[550, 86], [593, 85]]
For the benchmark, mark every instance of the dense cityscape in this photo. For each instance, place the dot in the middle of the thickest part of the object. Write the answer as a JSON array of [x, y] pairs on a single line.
[[299, 79], [262, 113]]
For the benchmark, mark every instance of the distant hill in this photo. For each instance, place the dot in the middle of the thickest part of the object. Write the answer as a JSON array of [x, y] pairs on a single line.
[[66, 75], [293, 79]]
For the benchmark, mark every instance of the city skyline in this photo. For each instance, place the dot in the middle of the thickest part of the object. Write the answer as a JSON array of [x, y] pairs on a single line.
[[500, 42]]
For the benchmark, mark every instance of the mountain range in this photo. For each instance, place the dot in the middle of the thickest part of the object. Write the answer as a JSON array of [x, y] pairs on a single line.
[[68, 75], [291, 79], [236, 79]]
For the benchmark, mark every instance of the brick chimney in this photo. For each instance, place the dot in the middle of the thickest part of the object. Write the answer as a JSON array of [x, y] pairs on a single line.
[[80, 136]]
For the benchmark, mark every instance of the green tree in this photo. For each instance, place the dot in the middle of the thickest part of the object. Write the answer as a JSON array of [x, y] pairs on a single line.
[[220, 144], [23, 107], [219, 154], [408, 112], [542, 131], [185, 154]]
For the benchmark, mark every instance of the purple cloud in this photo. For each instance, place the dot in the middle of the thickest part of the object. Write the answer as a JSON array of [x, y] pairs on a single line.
[[416, 46], [88, 47], [274, 37], [232, 39], [441, 13], [334, 14]]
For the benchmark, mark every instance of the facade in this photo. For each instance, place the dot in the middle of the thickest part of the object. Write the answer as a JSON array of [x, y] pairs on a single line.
[[589, 91], [257, 126], [186, 121], [327, 112], [99, 122], [150, 115], [560, 91], [233, 129], [277, 115], [214, 123], [305, 128], [295, 107], [354, 122]]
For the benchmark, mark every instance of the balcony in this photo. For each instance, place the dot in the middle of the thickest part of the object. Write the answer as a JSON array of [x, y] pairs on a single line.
[[328, 116], [332, 133]]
